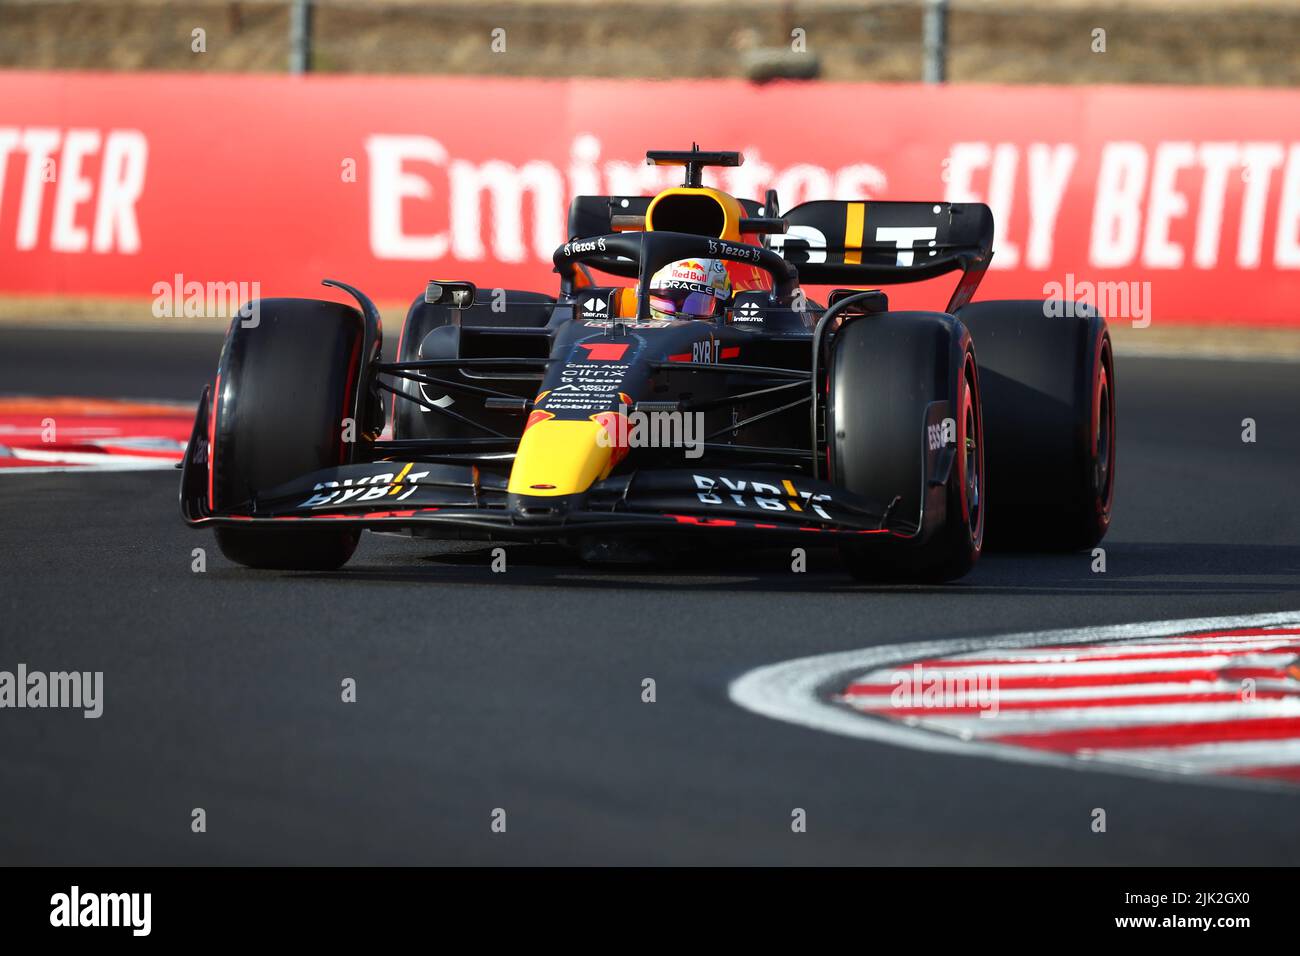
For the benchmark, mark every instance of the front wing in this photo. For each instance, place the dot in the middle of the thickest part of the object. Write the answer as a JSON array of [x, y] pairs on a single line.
[[463, 501]]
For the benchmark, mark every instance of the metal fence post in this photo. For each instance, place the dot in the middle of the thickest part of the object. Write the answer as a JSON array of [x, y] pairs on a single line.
[[300, 12], [934, 29]]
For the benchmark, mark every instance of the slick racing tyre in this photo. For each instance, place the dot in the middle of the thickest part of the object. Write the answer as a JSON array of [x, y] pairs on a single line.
[[1048, 375], [886, 372], [284, 388]]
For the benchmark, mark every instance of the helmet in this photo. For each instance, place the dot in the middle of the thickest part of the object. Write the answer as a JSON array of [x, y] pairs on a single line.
[[689, 289]]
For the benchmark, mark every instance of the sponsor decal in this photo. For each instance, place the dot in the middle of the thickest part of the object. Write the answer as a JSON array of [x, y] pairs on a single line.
[[586, 385], [628, 323], [682, 286], [1204, 700], [595, 307], [604, 351], [759, 495], [748, 312], [399, 486], [687, 270], [707, 351], [942, 434], [718, 247], [576, 248], [690, 275], [903, 238]]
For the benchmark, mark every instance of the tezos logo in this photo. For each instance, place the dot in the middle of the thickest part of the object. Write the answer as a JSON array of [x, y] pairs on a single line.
[[743, 253], [593, 245]]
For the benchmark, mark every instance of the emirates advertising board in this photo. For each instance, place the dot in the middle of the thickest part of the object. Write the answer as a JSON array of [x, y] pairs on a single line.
[[1159, 205]]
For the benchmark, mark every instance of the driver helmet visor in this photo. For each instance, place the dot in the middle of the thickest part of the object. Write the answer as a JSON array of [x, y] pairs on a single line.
[[686, 303]]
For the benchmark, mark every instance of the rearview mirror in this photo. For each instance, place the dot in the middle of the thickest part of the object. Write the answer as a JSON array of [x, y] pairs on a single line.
[[458, 295]]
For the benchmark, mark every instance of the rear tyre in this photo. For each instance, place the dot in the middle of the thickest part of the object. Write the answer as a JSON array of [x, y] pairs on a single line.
[[284, 389], [885, 373], [1048, 374]]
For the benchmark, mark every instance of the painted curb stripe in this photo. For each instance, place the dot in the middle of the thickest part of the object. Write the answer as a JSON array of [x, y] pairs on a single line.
[[90, 434], [1115, 698]]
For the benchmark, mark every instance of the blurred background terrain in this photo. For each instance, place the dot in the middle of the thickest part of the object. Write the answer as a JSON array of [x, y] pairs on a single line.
[[1226, 43]]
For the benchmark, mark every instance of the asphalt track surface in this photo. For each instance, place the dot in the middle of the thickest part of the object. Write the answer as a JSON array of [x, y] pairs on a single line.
[[522, 690]]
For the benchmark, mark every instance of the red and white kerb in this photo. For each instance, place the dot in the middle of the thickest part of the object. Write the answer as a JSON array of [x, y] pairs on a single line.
[[1214, 698]]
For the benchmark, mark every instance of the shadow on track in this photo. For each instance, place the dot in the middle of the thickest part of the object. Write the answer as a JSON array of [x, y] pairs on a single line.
[[1131, 569]]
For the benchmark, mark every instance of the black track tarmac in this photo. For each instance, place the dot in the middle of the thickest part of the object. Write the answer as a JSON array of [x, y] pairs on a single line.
[[522, 691]]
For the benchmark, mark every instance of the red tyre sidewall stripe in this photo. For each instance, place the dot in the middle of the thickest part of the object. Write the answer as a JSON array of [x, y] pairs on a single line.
[[212, 444], [970, 395]]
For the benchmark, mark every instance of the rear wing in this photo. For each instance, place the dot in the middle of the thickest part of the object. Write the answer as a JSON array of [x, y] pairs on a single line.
[[831, 242]]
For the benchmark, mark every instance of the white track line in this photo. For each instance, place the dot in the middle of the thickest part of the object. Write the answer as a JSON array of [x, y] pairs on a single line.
[[884, 702], [1067, 720], [1052, 655], [1088, 668]]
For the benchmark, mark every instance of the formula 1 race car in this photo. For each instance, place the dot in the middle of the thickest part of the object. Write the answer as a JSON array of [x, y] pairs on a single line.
[[592, 419]]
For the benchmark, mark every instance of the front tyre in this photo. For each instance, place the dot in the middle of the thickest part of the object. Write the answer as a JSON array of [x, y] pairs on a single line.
[[890, 377], [286, 389]]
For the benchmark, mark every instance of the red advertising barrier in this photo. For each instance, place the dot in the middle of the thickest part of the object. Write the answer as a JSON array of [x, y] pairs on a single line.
[[1164, 204]]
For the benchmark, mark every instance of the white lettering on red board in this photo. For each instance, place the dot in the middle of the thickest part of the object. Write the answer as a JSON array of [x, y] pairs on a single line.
[[88, 180]]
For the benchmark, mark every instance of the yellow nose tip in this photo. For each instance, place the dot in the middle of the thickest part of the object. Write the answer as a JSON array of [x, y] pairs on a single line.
[[561, 458]]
